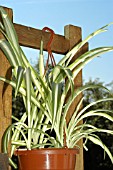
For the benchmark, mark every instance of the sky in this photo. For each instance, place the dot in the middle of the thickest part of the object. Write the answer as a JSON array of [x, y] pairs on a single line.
[[87, 14]]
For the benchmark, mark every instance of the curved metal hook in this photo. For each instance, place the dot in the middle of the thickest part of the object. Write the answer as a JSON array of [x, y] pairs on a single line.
[[50, 55]]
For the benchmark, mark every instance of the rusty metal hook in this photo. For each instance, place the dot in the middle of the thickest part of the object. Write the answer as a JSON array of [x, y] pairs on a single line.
[[50, 55]]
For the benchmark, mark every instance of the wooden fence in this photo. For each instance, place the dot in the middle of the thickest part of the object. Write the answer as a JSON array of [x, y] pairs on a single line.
[[31, 37]]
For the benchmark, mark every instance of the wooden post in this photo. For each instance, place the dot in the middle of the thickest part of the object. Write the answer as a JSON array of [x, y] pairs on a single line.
[[74, 35], [3, 161], [5, 91]]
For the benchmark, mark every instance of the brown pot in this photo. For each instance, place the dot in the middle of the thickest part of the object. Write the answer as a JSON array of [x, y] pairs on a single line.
[[49, 158]]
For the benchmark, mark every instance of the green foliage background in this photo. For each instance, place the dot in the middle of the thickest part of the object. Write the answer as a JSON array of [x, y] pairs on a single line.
[[94, 157]]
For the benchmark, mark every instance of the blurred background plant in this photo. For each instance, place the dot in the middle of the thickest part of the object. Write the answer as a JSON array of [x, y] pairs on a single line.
[[93, 159]]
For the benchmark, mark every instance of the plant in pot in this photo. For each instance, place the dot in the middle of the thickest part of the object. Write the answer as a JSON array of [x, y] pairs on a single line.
[[43, 130]]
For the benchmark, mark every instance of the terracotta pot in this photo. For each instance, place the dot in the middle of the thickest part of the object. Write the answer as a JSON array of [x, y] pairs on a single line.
[[50, 158]]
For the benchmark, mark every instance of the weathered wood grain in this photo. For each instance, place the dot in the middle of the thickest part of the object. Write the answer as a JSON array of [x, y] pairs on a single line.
[[31, 37], [3, 161], [5, 92]]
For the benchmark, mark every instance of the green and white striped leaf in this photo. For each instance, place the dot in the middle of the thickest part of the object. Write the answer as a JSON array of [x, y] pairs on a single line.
[[72, 52], [28, 103], [98, 142], [10, 32], [20, 73], [9, 53]]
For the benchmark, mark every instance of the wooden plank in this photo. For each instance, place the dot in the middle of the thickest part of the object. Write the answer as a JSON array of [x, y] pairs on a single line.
[[5, 91], [74, 35], [3, 161], [31, 37]]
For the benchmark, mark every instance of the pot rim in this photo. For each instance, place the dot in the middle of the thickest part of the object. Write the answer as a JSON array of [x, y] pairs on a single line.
[[47, 151]]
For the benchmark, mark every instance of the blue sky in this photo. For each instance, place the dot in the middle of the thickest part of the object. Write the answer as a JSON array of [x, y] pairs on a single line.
[[88, 14]]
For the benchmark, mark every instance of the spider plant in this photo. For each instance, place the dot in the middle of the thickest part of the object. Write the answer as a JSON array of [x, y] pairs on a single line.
[[44, 95]]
